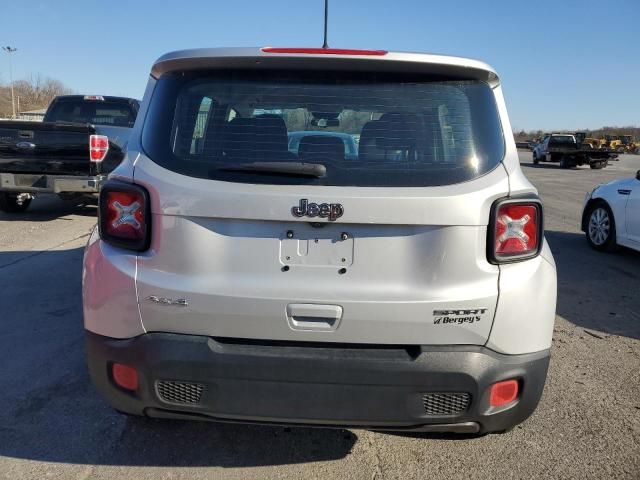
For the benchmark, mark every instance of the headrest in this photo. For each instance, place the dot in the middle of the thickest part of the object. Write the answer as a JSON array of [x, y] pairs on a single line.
[[397, 131]]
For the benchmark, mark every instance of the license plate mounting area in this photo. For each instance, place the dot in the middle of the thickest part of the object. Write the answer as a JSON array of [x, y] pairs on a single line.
[[317, 250]]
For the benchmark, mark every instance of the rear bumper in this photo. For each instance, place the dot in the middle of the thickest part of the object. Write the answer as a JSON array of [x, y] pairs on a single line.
[[37, 183], [323, 385]]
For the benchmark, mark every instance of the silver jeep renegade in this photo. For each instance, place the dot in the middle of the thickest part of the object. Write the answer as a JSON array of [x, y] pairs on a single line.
[[321, 237]]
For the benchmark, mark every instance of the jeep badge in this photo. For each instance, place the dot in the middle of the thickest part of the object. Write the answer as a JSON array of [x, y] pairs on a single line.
[[332, 211]]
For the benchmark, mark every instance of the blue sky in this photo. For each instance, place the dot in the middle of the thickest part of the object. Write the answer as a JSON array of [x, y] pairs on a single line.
[[564, 64]]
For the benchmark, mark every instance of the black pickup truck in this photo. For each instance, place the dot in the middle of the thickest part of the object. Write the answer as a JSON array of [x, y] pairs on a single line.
[[80, 140]]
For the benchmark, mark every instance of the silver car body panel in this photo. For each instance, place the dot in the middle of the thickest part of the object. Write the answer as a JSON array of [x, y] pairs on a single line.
[[110, 300], [414, 254]]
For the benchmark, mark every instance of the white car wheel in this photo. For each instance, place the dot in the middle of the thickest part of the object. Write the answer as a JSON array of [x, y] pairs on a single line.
[[601, 230]]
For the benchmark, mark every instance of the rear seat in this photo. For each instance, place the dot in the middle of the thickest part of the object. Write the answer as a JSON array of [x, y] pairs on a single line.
[[321, 147], [398, 131], [262, 138], [394, 136], [367, 148]]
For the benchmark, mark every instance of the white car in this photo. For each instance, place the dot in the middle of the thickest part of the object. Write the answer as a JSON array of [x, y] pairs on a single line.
[[611, 215], [407, 287]]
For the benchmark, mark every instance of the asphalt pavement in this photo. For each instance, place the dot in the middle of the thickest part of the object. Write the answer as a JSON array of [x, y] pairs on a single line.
[[54, 425]]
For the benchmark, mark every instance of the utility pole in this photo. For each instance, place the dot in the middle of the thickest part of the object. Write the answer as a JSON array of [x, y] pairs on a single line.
[[9, 51]]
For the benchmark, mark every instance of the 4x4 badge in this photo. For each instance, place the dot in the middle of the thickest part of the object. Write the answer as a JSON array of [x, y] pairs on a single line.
[[322, 210], [180, 302]]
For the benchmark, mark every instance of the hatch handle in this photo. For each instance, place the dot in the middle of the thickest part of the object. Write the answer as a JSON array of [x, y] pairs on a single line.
[[313, 317]]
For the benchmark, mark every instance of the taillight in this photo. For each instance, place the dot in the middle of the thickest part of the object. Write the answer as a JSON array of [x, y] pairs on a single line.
[[124, 218], [98, 147], [515, 230], [325, 51]]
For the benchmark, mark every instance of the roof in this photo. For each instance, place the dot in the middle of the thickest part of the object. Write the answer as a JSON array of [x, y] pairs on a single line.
[[106, 98], [256, 58]]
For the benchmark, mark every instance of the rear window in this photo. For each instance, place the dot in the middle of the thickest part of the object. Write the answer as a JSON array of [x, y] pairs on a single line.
[[366, 130], [95, 112], [349, 141], [562, 139]]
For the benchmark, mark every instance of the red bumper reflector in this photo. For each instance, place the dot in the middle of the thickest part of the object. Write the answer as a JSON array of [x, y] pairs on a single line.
[[125, 376], [325, 51], [503, 393]]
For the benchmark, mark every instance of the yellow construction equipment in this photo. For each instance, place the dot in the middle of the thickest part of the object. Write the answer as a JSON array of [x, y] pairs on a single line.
[[592, 142], [624, 144], [605, 142]]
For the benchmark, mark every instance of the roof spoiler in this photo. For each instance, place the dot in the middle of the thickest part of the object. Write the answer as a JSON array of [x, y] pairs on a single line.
[[337, 59]]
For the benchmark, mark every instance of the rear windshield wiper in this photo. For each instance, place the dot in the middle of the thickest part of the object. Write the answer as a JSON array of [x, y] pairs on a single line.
[[282, 168]]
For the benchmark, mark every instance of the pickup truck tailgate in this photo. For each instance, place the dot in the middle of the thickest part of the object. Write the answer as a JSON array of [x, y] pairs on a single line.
[[38, 147]]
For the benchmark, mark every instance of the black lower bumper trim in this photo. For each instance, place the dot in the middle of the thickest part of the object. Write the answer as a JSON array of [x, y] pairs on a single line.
[[464, 427], [381, 388]]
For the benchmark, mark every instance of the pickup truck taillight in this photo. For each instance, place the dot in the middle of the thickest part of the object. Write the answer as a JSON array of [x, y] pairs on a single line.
[[124, 219], [515, 230], [98, 147]]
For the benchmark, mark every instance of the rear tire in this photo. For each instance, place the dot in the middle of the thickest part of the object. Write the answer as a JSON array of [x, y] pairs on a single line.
[[597, 165], [564, 163], [11, 203], [601, 227], [535, 159]]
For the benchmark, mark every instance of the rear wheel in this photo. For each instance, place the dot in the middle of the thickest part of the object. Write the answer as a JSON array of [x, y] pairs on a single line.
[[564, 163], [597, 165], [535, 159], [601, 227], [14, 202]]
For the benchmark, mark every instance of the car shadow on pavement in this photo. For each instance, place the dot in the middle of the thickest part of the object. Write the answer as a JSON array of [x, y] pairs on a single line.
[[597, 290], [50, 411], [52, 208]]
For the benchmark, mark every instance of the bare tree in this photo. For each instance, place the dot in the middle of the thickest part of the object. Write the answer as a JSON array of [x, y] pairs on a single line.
[[34, 93]]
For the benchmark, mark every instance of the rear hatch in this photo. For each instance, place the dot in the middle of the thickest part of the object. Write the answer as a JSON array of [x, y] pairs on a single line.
[[253, 241]]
